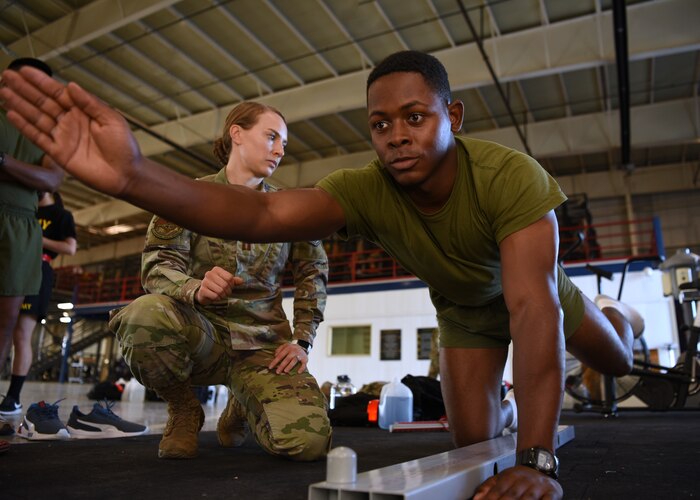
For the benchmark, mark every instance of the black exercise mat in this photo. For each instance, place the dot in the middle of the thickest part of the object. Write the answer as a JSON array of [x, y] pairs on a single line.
[[129, 468], [636, 455]]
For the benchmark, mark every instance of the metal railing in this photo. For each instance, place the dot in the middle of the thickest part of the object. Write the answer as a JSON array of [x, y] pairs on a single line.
[[605, 241]]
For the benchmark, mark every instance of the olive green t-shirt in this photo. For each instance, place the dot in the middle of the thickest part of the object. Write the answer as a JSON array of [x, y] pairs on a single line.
[[455, 251], [16, 145]]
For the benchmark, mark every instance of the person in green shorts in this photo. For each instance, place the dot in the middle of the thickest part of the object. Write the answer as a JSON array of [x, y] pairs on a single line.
[[58, 237], [213, 315], [24, 170], [473, 219]]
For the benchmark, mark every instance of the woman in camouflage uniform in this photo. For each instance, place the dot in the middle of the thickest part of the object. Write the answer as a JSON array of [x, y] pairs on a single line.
[[214, 315]]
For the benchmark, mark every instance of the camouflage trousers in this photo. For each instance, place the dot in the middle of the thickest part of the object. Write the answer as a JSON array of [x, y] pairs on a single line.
[[166, 342]]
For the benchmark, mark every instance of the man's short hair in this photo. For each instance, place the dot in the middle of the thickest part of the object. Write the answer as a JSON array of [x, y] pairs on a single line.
[[30, 61], [412, 61]]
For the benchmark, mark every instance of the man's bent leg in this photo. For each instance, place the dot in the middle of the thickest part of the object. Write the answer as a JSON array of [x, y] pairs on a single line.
[[603, 341], [169, 346], [287, 412], [471, 389]]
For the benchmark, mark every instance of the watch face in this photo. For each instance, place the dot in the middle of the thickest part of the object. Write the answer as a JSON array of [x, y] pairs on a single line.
[[540, 459], [544, 461]]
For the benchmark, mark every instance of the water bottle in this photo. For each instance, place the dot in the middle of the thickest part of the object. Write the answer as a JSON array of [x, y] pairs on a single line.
[[341, 389], [134, 391], [395, 404]]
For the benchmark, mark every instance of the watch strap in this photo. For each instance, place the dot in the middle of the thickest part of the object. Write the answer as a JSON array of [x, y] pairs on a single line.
[[303, 344]]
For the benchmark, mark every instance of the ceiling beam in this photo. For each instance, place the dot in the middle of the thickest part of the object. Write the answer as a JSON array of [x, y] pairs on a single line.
[[104, 213], [673, 122], [642, 181]]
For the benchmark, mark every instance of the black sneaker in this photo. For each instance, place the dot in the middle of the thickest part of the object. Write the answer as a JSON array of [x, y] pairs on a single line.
[[101, 423], [42, 423], [10, 406]]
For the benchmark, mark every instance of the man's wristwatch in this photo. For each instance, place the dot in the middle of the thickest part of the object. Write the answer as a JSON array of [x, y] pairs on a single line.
[[303, 344], [541, 460], [2, 159]]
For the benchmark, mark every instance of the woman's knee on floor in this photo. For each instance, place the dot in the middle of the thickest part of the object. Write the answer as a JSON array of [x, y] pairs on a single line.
[[294, 431]]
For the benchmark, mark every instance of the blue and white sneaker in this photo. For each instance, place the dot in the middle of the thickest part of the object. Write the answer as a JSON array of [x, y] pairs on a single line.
[[10, 406], [42, 423], [102, 423]]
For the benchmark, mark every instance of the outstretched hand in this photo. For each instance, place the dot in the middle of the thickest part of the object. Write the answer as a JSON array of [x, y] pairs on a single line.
[[217, 284], [519, 482], [86, 137]]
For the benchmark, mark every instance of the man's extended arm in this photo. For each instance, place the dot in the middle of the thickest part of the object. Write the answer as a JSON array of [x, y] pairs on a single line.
[[94, 143]]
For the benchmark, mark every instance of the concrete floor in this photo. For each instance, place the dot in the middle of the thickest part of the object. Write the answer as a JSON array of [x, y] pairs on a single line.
[[150, 413]]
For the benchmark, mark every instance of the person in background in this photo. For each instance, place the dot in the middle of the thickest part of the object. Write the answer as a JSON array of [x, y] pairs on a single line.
[[24, 170], [214, 315], [473, 219], [58, 237]]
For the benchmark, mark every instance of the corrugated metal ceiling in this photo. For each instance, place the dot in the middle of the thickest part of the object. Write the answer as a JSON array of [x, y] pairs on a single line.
[[176, 68]]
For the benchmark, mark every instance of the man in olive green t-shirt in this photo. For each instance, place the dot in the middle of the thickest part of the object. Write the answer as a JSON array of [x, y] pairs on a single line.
[[21, 176], [473, 219]]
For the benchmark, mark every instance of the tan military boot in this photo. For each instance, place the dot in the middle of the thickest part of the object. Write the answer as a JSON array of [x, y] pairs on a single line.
[[185, 419], [232, 428]]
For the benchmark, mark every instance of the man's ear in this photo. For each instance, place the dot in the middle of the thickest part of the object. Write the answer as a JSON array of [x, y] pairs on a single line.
[[456, 112], [235, 133]]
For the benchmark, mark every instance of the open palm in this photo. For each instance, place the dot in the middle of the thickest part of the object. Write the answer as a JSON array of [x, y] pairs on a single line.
[[89, 139]]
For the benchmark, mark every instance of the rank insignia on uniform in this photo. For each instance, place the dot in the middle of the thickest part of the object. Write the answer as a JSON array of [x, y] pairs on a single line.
[[165, 230], [315, 242]]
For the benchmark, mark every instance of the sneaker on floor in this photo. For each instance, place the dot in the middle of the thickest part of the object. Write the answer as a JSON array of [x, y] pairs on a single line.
[[10, 406], [6, 428], [41, 422], [102, 423]]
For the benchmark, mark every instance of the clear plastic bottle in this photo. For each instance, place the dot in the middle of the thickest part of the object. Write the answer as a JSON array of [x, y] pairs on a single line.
[[341, 389], [395, 404]]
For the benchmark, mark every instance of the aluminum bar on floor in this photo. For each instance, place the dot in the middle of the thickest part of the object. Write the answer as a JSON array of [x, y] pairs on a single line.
[[451, 475]]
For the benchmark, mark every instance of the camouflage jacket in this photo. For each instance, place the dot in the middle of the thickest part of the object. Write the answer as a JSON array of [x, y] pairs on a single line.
[[175, 260]]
